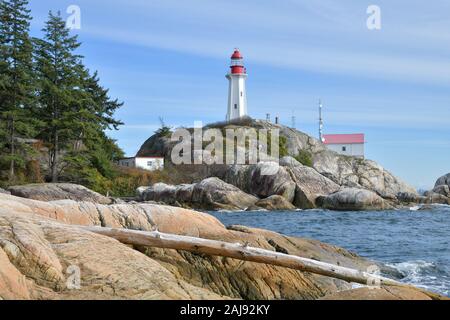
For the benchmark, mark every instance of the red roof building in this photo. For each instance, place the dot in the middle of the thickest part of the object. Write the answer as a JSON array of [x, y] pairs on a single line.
[[343, 138], [346, 144]]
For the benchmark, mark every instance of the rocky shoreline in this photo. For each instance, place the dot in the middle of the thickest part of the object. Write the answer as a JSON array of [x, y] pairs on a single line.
[[330, 181], [295, 186], [40, 243]]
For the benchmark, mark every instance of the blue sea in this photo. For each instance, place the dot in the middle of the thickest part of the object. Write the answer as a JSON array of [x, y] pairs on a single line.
[[416, 241]]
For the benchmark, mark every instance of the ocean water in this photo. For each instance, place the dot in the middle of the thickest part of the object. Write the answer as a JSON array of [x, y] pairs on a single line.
[[415, 242]]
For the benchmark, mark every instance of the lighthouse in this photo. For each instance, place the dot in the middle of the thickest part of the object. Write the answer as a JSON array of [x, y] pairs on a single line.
[[237, 95]]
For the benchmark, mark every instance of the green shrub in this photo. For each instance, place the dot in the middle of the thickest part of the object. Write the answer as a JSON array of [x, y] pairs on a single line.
[[305, 158], [125, 181], [164, 130], [283, 149]]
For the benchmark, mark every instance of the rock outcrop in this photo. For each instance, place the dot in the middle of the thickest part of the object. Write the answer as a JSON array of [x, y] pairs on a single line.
[[329, 171], [273, 203], [301, 187], [4, 191], [352, 199], [432, 197], [210, 194], [443, 190], [262, 180], [442, 186], [42, 252], [360, 173], [309, 183], [25, 227], [383, 293], [443, 181], [42, 259], [440, 194], [410, 198], [58, 191]]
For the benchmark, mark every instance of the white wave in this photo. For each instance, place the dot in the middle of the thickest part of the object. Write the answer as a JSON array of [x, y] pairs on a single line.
[[420, 274], [414, 271], [258, 210], [412, 268]]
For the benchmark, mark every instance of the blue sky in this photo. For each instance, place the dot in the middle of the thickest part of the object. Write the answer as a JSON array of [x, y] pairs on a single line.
[[169, 58]]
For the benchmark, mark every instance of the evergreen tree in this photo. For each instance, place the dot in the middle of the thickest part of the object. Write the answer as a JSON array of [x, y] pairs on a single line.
[[16, 83], [93, 152], [74, 107], [59, 77]]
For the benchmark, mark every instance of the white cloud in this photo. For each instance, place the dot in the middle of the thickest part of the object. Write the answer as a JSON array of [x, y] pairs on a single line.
[[321, 36]]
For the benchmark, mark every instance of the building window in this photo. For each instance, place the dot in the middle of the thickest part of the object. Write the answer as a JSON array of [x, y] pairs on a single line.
[[344, 149], [149, 163], [235, 106]]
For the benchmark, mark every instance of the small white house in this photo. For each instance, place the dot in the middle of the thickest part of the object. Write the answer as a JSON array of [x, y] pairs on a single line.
[[346, 144], [146, 163]]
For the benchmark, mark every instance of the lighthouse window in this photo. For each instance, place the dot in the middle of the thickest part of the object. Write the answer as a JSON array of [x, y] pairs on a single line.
[[241, 93], [235, 106]]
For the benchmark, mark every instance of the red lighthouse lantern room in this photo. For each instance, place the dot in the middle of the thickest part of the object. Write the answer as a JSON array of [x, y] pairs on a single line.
[[237, 63]]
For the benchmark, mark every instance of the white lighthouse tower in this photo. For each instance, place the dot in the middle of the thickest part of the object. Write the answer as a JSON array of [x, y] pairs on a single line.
[[237, 95]]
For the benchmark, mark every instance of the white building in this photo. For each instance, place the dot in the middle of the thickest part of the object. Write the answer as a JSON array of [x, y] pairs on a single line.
[[346, 144], [146, 163], [237, 95]]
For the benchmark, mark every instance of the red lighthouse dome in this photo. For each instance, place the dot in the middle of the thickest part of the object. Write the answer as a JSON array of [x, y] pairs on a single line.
[[237, 63], [236, 54]]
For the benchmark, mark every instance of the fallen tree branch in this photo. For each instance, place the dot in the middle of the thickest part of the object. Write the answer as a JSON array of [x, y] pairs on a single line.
[[243, 252]]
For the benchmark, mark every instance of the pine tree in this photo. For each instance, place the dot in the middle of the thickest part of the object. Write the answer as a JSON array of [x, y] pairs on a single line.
[[93, 152], [96, 111], [74, 107], [58, 69], [16, 82]]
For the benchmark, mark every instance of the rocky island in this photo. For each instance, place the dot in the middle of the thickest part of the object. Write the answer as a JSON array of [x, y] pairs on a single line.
[[325, 179]]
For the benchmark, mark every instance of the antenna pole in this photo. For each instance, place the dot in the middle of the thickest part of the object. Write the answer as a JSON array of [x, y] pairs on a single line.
[[320, 121], [293, 120]]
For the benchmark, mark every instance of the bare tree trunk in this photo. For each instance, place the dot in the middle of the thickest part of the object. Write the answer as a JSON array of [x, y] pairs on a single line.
[[54, 156], [239, 251], [12, 149], [243, 252]]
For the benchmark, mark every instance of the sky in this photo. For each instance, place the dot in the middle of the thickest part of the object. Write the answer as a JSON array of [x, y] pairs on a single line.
[[169, 58]]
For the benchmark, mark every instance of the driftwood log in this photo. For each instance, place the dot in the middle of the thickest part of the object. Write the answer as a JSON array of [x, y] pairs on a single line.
[[243, 252]]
